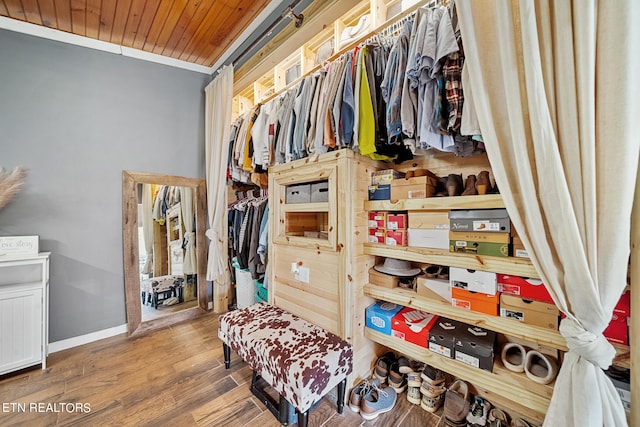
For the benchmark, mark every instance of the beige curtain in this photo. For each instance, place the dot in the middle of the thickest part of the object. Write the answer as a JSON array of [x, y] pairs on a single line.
[[556, 87], [147, 227], [218, 105], [186, 206]]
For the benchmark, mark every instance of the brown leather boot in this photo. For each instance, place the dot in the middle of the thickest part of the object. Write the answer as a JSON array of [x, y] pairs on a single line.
[[454, 184], [483, 183], [470, 186]]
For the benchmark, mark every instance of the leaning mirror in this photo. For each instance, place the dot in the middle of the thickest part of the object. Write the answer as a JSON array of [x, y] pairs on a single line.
[[163, 225]]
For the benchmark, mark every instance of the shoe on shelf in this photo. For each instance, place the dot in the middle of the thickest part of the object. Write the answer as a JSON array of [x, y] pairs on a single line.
[[431, 404], [397, 380], [513, 356], [454, 184], [378, 401], [470, 186], [413, 395], [540, 367], [441, 187], [498, 418], [483, 183], [381, 369], [456, 402]]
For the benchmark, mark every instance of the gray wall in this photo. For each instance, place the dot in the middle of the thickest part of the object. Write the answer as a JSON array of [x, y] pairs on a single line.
[[76, 118]]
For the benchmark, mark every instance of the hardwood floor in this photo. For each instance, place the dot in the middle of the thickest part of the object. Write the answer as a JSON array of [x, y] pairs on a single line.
[[174, 376]]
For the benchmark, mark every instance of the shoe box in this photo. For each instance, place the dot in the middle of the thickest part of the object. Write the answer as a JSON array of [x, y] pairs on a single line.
[[377, 235], [380, 192], [396, 238], [396, 221], [617, 331], [523, 287], [473, 280], [417, 187], [528, 311], [480, 220], [428, 229], [426, 220], [385, 176], [378, 316], [377, 220], [621, 379], [413, 325], [517, 247], [475, 346], [380, 279], [442, 336], [479, 243], [436, 289], [475, 301]]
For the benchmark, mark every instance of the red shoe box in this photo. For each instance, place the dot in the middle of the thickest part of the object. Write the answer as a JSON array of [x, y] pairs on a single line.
[[524, 288], [377, 235], [423, 321], [377, 219], [396, 238], [618, 332], [396, 221]]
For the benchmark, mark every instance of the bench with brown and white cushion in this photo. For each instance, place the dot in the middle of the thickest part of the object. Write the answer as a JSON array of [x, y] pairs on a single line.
[[299, 360]]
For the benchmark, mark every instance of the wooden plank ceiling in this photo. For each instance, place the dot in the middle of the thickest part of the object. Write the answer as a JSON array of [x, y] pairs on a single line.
[[196, 31]]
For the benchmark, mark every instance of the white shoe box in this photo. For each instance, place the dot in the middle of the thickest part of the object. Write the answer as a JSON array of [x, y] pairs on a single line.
[[473, 280]]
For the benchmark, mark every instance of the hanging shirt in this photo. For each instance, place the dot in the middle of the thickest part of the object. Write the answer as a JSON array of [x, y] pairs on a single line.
[[393, 82]]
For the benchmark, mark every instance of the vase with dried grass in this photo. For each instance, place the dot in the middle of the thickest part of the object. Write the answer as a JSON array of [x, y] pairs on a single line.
[[10, 184]]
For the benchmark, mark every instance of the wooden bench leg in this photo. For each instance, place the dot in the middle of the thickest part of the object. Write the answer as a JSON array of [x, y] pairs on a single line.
[[341, 392], [227, 355], [303, 418]]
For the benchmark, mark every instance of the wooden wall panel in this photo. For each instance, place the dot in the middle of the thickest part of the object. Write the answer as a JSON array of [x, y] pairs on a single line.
[[47, 13], [133, 22], [107, 14], [148, 15], [63, 13], [32, 11], [93, 18]]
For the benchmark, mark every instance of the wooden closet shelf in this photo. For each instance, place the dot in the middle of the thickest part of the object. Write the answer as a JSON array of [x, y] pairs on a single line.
[[501, 386], [507, 265], [305, 207], [487, 201]]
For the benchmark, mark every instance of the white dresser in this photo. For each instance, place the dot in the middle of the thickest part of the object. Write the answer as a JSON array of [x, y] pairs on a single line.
[[24, 311]]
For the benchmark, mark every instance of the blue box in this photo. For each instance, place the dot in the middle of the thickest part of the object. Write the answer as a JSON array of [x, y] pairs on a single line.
[[380, 192], [379, 316]]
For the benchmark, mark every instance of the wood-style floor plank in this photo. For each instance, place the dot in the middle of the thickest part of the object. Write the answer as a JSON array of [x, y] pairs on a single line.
[[173, 377]]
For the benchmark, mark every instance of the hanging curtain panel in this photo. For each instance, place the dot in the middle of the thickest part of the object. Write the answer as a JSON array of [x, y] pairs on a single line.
[[218, 106], [556, 86]]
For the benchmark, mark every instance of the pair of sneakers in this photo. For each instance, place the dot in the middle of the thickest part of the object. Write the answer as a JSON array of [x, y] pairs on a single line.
[[371, 399], [392, 370]]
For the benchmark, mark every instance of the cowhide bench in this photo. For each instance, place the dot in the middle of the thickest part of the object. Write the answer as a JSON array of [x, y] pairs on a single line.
[[300, 361]]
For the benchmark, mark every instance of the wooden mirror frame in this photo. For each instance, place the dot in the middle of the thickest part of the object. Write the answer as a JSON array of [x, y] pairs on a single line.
[[130, 181]]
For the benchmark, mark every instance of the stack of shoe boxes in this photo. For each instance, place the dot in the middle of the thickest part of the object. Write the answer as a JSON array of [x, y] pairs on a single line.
[[380, 188], [474, 290], [377, 226], [528, 301], [428, 230], [389, 228], [468, 344], [480, 231]]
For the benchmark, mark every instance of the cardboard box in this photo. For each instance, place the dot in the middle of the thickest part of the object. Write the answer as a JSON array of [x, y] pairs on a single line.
[[429, 220], [298, 193], [617, 331], [480, 220], [475, 301], [378, 316], [437, 289], [471, 236], [473, 280], [320, 192], [377, 235], [396, 238], [413, 326], [523, 287], [417, 187], [428, 238], [474, 346], [396, 221], [531, 312], [385, 176], [519, 249], [442, 336], [380, 279], [380, 192], [377, 219], [479, 248]]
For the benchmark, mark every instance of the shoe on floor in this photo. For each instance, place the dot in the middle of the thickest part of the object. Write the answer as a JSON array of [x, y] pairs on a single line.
[[431, 404], [404, 365], [359, 391], [456, 401], [521, 423], [414, 378], [431, 390], [396, 379], [383, 364], [413, 395], [513, 355], [498, 418], [478, 413], [377, 401]]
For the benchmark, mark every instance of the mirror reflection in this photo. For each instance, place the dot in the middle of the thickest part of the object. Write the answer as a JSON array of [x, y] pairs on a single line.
[[167, 252]]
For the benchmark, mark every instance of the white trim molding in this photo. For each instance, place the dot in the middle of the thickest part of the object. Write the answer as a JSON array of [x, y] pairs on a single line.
[[61, 36], [86, 339]]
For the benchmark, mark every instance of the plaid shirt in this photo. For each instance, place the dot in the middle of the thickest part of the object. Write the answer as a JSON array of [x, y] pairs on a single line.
[[452, 72]]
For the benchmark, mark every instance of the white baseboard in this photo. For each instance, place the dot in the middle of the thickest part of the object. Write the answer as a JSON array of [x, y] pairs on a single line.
[[86, 339]]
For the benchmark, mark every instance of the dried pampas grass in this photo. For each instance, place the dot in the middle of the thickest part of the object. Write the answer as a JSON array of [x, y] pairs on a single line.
[[11, 184]]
